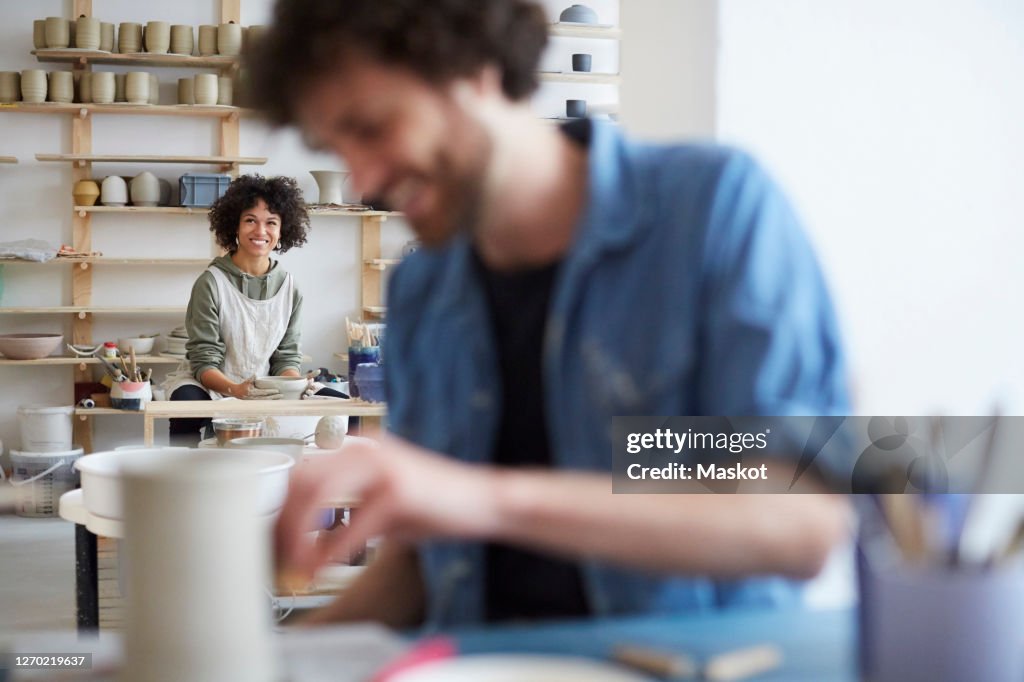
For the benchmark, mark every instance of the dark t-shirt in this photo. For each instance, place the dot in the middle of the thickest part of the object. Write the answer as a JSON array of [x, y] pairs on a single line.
[[521, 584]]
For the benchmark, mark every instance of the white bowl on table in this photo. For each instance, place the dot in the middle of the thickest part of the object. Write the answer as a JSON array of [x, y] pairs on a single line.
[[102, 475], [291, 388]]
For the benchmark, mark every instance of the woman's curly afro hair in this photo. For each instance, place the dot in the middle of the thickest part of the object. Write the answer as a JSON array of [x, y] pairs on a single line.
[[282, 196]]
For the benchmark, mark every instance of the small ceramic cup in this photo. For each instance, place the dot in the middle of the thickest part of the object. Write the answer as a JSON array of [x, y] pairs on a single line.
[[120, 81], [85, 87], [229, 39], [205, 88], [129, 37], [158, 37], [186, 91], [154, 89], [581, 62], [61, 87], [224, 90], [182, 39], [33, 85], [106, 36], [207, 40], [576, 108], [39, 34], [58, 33], [136, 87], [10, 86], [87, 33], [103, 88]]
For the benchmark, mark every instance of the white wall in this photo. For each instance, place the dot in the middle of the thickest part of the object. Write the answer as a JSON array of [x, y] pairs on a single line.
[[897, 129]]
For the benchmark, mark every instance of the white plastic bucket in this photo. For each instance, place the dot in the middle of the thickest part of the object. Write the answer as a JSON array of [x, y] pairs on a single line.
[[45, 429], [40, 478]]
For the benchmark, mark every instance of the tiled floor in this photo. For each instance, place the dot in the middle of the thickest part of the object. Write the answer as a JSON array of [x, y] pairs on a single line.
[[37, 571]]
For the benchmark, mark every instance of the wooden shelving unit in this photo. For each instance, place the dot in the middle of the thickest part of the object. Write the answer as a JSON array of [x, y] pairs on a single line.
[[86, 109], [102, 260], [8, 159], [81, 58], [72, 361], [583, 31], [81, 159], [314, 210], [381, 263], [582, 77], [83, 310]]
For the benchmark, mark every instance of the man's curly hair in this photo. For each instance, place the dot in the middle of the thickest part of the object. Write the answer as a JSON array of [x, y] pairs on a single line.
[[439, 40], [282, 196]]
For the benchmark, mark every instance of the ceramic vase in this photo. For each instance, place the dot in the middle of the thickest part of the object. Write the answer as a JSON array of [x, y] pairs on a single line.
[[39, 34], [576, 108], [129, 37], [154, 89], [224, 90], [186, 92], [106, 36], [581, 62], [10, 86], [330, 184], [136, 87], [85, 192], [229, 39], [103, 88], [58, 35], [87, 33], [61, 87], [207, 40], [33, 85], [114, 191], [158, 37], [205, 88], [145, 190], [181, 39], [85, 87]]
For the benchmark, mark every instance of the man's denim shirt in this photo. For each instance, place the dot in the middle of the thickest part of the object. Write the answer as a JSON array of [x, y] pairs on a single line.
[[690, 289]]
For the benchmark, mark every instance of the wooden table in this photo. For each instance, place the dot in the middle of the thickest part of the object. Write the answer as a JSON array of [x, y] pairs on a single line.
[[173, 409]]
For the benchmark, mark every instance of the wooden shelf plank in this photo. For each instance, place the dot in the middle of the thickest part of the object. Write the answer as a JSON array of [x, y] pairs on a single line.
[[64, 360], [84, 412], [381, 263], [203, 211], [8, 159], [322, 209], [134, 59], [124, 108], [102, 260], [583, 31], [169, 409], [130, 158], [50, 310], [375, 310], [582, 77]]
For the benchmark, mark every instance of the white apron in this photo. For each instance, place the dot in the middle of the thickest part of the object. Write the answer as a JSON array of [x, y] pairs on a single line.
[[252, 330]]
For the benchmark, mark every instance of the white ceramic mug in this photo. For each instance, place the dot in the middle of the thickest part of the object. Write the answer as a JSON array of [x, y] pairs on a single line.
[[106, 36], [205, 88], [39, 34], [186, 92], [58, 34], [182, 39], [207, 40], [129, 37], [224, 90], [136, 87], [103, 87], [10, 86], [87, 33], [33, 85], [61, 87], [120, 80], [158, 37], [85, 87], [229, 39]]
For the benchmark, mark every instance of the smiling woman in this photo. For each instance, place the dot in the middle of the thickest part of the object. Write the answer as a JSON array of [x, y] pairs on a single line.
[[244, 315]]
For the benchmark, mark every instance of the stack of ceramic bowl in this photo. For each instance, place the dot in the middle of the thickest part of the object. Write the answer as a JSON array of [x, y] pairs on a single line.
[[175, 343]]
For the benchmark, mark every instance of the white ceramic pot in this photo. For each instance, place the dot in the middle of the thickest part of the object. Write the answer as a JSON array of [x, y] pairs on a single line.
[[114, 191], [39, 34], [106, 36], [205, 88], [330, 184], [145, 189], [10, 86], [186, 91], [101, 476], [229, 39], [158, 37], [129, 37], [87, 33], [207, 40], [224, 90], [61, 87], [103, 87], [33, 86], [136, 87], [58, 34], [291, 388], [182, 39]]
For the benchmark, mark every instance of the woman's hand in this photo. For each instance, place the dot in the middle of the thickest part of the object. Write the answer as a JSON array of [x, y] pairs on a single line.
[[247, 390]]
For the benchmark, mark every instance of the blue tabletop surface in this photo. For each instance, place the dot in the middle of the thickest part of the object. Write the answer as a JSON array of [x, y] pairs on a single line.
[[816, 645]]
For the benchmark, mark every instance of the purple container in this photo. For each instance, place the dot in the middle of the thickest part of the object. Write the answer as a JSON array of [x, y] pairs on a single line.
[[369, 379], [358, 355]]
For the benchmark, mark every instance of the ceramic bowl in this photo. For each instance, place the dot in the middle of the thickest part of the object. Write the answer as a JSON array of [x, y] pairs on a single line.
[[578, 14], [292, 447], [238, 427], [29, 346], [141, 346], [101, 475], [291, 388]]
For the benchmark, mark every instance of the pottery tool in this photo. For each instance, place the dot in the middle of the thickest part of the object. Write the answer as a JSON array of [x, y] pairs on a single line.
[[113, 371], [134, 366], [661, 664]]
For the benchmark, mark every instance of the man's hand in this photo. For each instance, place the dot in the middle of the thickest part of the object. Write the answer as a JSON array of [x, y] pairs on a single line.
[[406, 493]]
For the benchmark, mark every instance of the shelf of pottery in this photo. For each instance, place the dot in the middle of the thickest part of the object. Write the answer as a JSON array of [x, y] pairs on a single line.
[[591, 67]]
